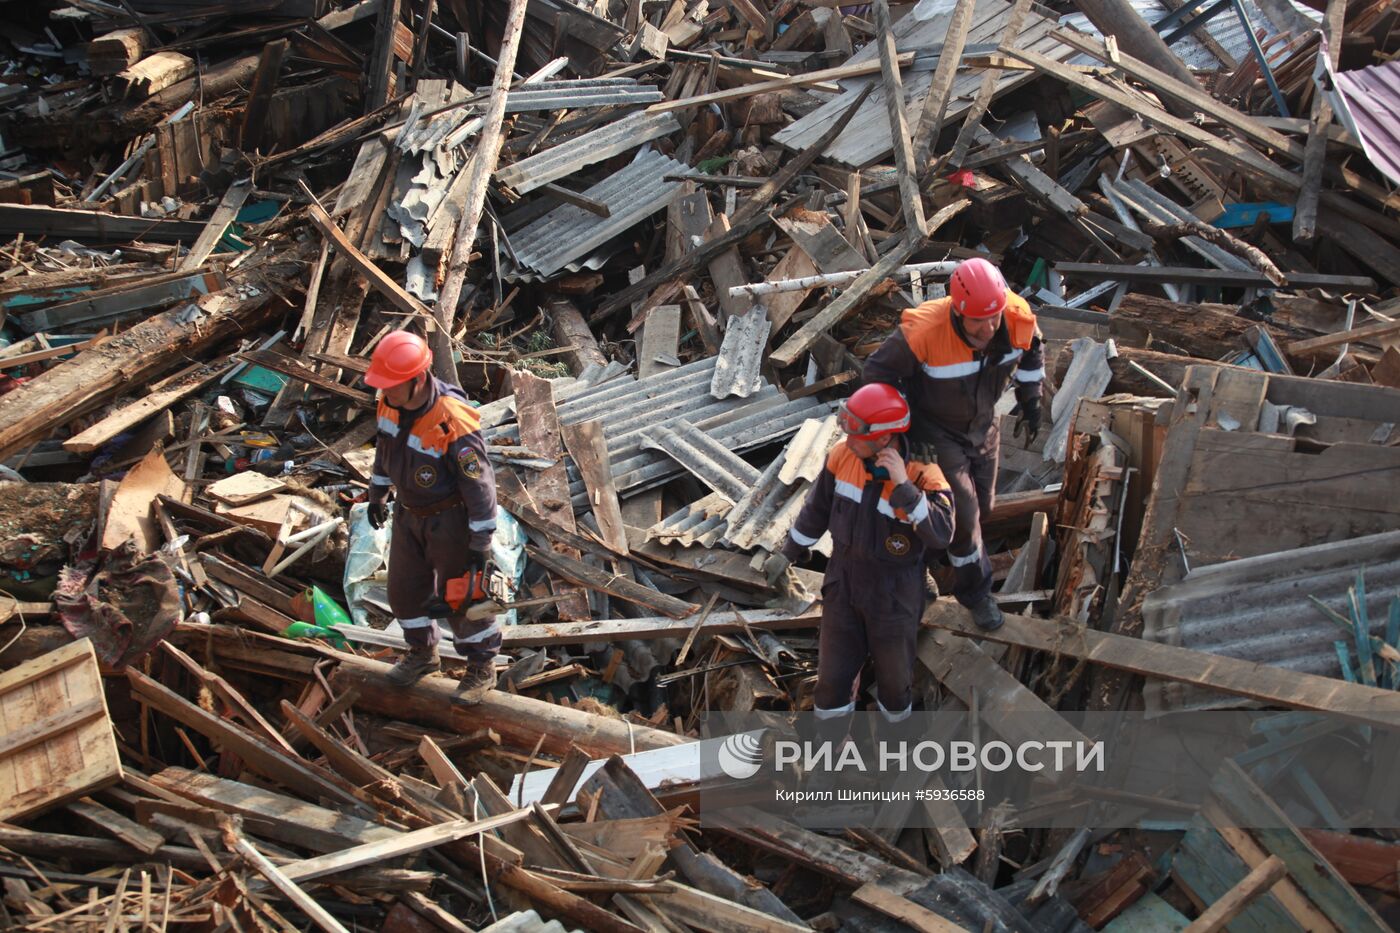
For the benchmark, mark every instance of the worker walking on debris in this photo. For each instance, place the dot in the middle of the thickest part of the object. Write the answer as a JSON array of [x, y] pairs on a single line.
[[430, 450], [883, 511], [954, 357]]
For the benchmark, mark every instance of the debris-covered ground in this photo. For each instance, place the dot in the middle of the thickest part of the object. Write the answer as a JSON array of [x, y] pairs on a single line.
[[655, 240]]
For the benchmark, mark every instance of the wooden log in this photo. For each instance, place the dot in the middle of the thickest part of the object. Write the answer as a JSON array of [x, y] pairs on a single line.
[[571, 332], [131, 358], [520, 720], [55, 847]]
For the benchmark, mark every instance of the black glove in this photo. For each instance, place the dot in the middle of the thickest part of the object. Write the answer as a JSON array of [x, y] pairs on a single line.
[[476, 561], [378, 512], [1028, 420]]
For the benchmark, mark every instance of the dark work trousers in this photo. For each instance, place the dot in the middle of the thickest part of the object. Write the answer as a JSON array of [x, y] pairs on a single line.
[[424, 553], [972, 472], [869, 609]]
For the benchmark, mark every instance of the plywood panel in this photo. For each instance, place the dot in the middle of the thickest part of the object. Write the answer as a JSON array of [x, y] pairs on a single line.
[[57, 741]]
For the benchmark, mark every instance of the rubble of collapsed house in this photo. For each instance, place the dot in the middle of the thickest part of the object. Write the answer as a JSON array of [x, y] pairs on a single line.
[[655, 240]]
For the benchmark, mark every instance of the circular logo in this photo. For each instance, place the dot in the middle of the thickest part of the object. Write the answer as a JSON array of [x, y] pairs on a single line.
[[898, 545], [740, 756], [425, 475]]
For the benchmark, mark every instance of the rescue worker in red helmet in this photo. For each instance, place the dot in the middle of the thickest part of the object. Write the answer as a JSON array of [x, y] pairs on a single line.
[[954, 357], [883, 511], [430, 450]]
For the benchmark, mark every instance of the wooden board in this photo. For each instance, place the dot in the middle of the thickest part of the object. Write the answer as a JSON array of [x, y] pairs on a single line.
[[128, 416], [58, 743], [589, 447], [130, 514], [548, 489], [244, 488], [1274, 685]]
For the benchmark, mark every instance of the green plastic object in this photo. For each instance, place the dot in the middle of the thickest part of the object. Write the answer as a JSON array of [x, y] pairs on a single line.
[[307, 630], [1040, 274], [328, 611], [261, 380]]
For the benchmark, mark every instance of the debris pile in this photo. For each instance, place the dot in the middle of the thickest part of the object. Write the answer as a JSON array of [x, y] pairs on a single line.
[[655, 242]]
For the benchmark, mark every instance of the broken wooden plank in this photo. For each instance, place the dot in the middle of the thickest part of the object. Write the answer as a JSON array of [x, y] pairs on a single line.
[[381, 282], [1380, 333], [1292, 689], [936, 101], [264, 84], [580, 573], [92, 227], [273, 360], [588, 447], [972, 120], [133, 414], [290, 770], [854, 294], [1259, 880], [303, 901], [483, 165], [218, 222], [910, 196], [900, 908], [59, 743]]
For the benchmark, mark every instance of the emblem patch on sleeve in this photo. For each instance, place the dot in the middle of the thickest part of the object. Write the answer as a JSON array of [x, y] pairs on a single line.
[[425, 475], [470, 463]]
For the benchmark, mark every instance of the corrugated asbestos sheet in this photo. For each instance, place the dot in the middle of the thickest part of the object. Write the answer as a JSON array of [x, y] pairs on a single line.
[[628, 408], [592, 147], [568, 232], [762, 517], [710, 462], [741, 355], [1257, 609], [574, 95], [1372, 97], [1224, 28], [866, 138]]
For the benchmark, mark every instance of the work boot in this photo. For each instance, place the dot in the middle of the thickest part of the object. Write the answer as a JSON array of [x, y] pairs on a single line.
[[479, 680], [416, 664], [987, 614]]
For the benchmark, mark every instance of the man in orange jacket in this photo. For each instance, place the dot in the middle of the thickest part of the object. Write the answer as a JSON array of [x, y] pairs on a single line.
[[953, 358], [430, 450]]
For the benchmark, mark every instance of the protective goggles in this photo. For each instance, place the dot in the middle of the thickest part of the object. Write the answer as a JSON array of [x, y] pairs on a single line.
[[856, 426]]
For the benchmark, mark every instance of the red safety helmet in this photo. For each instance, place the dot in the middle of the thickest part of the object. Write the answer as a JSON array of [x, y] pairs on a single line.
[[399, 357], [978, 289], [874, 411]]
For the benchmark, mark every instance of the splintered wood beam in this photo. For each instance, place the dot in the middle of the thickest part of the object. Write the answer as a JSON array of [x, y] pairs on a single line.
[[936, 102], [580, 573], [377, 278], [1315, 156], [911, 200], [973, 119], [488, 152], [303, 901], [271, 359]]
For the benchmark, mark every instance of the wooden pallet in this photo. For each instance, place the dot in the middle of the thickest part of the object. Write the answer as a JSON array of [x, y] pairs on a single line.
[[58, 742]]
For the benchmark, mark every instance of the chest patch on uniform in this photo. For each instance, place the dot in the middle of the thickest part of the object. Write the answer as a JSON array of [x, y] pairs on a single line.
[[425, 475], [898, 545], [469, 463]]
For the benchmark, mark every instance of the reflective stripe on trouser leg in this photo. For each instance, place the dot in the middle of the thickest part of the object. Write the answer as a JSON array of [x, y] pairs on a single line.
[[894, 717], [478, 639], [419, 632]]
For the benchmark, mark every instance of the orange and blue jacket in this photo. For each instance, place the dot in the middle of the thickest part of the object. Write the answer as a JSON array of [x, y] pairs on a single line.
[[436, 453], [874, 519], [949, 383]]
